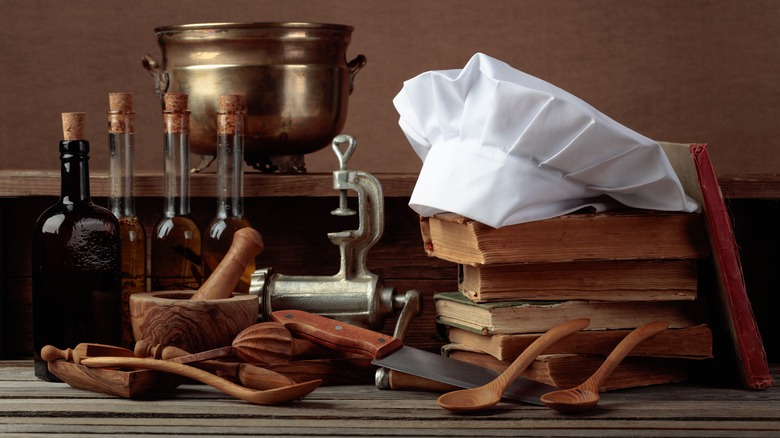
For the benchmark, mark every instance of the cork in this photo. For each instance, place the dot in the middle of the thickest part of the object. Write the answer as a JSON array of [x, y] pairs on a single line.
[[73, 126], [120, 102], [176, 116], [120, 115], [175, 101], [227, 117]]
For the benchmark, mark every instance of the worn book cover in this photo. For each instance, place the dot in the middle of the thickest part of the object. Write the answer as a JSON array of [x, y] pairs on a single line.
[[693, 342], [614, 280], [454, 308]]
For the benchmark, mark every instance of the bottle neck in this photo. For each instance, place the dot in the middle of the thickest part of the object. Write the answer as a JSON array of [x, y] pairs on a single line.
[[121, 147], [74, 171], [230, 175], [177, 164]]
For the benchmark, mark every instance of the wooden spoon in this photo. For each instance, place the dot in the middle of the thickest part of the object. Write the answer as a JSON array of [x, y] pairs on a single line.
[[586, 395], [251, 376], [247, 244], [83, 350], [488, 395], [266, 397]]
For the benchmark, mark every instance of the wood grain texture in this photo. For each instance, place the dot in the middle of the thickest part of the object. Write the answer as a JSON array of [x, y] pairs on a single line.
[[172, 318]]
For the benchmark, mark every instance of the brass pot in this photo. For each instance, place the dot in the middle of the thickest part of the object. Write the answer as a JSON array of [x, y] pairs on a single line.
[[295, 78]]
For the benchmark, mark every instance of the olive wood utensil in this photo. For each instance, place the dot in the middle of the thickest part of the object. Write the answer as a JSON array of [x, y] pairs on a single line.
[[488, 395], [118, 382], [247, 244], [251, 376], [273, 396], [268, 343], [586, 395]]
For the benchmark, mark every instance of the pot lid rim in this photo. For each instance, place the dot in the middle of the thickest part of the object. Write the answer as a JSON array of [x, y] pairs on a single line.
[[251, 25]]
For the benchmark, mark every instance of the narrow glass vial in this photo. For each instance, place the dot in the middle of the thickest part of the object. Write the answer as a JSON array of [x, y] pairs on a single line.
[[122, 203], [176, 244], [230, 188], [75, 260]]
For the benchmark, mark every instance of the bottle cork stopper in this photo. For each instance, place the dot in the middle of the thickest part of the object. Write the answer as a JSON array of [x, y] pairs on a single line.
[[120, 114], [120, 102], [73, 126], [229, 105], [231, 102], [175, 116], [175, 101]]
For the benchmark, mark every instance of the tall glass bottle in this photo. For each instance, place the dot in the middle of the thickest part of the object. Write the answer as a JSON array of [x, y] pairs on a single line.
[[122, 203], [75, 260], [230, 188], [176, 244]]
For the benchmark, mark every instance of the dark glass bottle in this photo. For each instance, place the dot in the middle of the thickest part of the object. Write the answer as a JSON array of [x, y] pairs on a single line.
[[75, 260], [230, 183], [121, 202], [176, 244]]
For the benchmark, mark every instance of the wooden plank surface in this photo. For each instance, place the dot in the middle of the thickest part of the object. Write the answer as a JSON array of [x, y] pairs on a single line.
[[30, 406]]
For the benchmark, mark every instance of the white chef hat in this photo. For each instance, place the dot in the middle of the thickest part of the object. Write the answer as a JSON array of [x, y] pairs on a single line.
[[502, 147]]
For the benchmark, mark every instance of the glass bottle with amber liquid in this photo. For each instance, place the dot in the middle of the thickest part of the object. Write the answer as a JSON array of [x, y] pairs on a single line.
[[75, 260], [176, 243], [121, 202], [230, 188]]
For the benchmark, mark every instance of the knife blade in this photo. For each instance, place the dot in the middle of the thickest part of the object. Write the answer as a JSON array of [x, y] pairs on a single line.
[[390, 352]]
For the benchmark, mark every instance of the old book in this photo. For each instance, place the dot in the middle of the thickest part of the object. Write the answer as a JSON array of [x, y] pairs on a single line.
[[618, 280], [732, 307], [569, 370], [455, 309], [693, 342], [618, 235]]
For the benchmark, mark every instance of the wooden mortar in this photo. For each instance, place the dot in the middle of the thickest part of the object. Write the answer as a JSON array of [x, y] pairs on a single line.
[[206, 319]]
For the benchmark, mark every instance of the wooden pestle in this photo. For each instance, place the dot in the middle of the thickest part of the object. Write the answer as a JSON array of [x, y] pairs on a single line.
[[247, 244], [251, 376]]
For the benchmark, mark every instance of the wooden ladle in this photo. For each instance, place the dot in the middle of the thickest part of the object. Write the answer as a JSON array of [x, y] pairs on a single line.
[[273, 396], [586, 395], [488, 395], [247, 244]]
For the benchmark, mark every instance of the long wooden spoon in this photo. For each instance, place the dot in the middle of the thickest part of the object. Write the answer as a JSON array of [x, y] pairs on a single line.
[[488, 395], [266, 397], [586, 395], [251, 376]]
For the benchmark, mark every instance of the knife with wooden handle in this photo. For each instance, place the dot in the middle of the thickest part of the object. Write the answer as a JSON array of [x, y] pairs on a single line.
[[390, 352]]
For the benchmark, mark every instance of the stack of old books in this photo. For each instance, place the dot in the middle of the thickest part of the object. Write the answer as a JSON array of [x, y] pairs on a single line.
[[619, 269]]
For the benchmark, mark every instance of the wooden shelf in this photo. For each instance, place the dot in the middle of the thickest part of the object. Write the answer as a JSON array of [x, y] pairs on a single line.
[[18, 183]]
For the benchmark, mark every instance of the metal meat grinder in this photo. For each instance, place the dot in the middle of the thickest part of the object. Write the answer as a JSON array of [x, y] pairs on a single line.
[[354, 294]]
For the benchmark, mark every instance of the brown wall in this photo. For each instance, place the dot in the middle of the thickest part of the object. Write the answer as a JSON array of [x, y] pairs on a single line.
[[692, 71]]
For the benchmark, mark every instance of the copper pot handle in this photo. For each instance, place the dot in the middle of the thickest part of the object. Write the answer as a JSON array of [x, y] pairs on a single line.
[[161, 80], [354, 67]]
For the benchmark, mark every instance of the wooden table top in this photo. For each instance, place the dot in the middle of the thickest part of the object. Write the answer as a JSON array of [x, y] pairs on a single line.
[[32, 407]]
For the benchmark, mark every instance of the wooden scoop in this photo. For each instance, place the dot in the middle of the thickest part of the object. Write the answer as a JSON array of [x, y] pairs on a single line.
[[586, 395], [249, 375], [266, 397], [487, 396], [247, 244]]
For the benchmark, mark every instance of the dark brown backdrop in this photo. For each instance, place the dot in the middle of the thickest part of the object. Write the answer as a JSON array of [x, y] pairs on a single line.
[[693, 71]]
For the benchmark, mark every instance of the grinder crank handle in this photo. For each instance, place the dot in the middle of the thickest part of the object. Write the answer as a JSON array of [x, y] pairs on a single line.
[[337, 334], [247, 244]]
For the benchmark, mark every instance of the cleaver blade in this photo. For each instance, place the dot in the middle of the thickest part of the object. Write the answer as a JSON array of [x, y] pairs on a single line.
[[389, 352]]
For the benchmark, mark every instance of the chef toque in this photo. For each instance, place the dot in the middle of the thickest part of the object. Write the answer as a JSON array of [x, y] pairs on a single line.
[[502, 147]]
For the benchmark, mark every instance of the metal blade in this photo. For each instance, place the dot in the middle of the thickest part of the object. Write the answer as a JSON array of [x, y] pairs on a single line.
[[458, 373]]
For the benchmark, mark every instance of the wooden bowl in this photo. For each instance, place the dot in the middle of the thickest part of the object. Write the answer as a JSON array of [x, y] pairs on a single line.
[[171, 318]]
